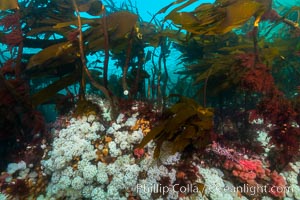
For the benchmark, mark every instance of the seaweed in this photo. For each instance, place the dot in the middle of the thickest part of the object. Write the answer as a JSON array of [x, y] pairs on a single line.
[[21, 124], [185, 123], [86, 108], [217, 18], [9, 4]]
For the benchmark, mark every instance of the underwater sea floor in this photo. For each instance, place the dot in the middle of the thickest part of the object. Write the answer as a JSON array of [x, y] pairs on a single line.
[[93, 157]]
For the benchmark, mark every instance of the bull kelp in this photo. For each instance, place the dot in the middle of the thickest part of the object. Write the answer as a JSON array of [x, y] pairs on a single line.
[[97, 103]]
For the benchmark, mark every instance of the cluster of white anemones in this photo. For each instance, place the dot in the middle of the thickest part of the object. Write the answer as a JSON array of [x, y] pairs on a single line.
[[3, 196], [98, 180], [293, 189]]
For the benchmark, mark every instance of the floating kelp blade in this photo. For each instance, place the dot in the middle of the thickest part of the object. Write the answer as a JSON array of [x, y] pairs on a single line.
[[164, 9], [8, 4], [119, 26], [65, 50], [93, 7], [169, 16], [53, 58], [217, 18], [50, 91]]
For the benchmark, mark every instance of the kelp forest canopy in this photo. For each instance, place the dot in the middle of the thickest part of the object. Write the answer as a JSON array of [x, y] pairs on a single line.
[[239, 57]]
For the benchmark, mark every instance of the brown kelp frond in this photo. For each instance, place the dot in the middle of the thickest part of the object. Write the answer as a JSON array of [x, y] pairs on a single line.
[[218, 18], [9, 4], [54, 56], [51, 90], [185, 123], [86, 108]]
